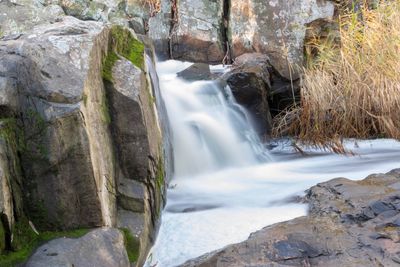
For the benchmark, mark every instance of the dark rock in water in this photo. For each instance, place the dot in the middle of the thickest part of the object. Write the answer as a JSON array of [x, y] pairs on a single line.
[[189, 208], [196, 72], [250, 83], [336, 232]]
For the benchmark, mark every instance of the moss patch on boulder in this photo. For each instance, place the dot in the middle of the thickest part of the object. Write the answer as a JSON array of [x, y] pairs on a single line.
[[123, 44], [132, 245], [126, 45], [25, 241]]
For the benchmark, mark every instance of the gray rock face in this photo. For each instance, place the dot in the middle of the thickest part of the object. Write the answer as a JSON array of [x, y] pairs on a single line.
[[350, 224], [49, 67], [160, 29], [102, 247], [138, 141], [89, 150], [199, 32], [19, 16], [10, 181], [276, 28], [86, 10]]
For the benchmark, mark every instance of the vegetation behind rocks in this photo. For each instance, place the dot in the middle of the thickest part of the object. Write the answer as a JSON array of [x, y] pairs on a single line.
[[352, 89]]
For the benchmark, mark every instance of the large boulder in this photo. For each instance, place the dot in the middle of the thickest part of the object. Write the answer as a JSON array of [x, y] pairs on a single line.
[[350, 224], [276, 28], [199, 32], [101, 248], [86, 134], [63, 171]]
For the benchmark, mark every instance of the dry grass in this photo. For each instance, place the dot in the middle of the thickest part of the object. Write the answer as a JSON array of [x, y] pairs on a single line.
[[351, 90], [154, 6]]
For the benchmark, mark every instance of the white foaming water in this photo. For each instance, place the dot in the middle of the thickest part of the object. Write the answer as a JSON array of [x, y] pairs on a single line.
[[210, 131], [223, 187]]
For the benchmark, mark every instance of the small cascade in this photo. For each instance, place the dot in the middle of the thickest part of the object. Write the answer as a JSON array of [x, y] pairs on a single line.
[[211, 131]]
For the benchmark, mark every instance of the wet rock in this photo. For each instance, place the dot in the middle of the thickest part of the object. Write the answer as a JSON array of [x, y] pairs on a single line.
[[323, 237], [196, 72], [249, 80], [102, 247], [283, 39]]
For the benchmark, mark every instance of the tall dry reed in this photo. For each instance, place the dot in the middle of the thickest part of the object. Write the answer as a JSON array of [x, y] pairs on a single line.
[[351, 89]]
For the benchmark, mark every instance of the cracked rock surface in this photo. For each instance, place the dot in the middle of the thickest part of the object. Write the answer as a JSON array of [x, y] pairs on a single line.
[[350, 223]]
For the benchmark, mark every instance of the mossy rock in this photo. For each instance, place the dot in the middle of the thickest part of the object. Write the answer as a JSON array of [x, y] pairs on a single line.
[[123, 44], [132, 245], [25, 241]]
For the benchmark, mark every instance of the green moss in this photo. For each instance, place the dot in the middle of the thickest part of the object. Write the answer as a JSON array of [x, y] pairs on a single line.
[[160, 178], [10, 132], [126, 45], [123, 44], [160, 184], [108, 64], [132, 245], [38, 213], [25, 241]]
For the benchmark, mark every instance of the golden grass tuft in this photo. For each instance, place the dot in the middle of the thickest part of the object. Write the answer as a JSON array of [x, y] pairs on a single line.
[[351, 89], [154, 6]]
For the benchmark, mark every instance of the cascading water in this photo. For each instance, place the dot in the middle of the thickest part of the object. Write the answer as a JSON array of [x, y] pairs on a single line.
[[225, 184], [210, 131]]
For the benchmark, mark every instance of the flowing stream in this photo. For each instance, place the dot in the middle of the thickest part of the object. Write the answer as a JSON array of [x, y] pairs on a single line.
[[226, 184]]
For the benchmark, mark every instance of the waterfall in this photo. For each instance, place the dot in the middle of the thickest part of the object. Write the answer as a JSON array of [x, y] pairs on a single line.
[[210, 130]]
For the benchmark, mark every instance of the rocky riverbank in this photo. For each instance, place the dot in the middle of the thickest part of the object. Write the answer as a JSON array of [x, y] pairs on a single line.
[[84, 138], [350, 223]]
